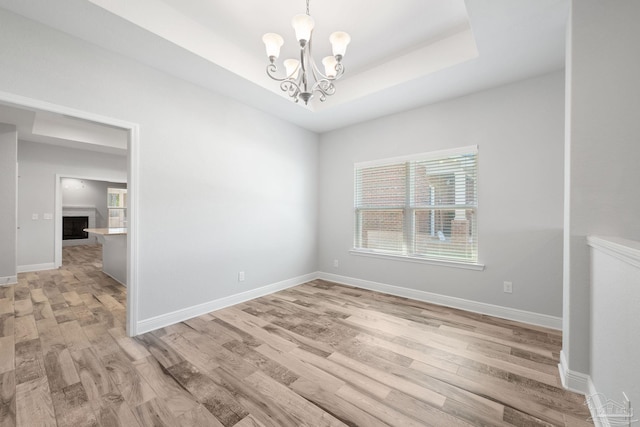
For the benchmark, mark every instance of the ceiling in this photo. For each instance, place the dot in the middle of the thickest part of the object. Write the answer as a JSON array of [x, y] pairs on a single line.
[[403, 54]]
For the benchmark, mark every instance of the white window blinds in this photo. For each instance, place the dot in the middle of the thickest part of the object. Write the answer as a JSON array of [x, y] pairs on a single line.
[[419, 206]]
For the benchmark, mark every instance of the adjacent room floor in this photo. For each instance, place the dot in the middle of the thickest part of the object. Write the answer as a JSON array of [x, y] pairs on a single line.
[[313, 355]]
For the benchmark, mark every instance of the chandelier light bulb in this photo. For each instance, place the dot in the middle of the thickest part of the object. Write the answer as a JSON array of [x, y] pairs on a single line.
[[339, 41], [291, 68], [273, 42], [303, 24], [330, 64]]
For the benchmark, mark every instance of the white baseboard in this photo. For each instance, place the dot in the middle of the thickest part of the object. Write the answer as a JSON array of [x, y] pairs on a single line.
[[596, 402], [161, 321], [572, 380], [8, 280], [448, 301], [36, 267], [607, 412]]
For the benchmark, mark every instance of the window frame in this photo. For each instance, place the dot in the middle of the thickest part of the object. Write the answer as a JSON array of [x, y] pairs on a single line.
[[121, 207], [409, 210]]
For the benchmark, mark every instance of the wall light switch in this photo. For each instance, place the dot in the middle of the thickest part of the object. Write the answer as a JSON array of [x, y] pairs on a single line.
[[34, 216], [47, 216]]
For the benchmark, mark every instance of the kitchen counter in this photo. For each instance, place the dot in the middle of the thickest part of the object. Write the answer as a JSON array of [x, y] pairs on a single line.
[[114, 251], [106, 231]]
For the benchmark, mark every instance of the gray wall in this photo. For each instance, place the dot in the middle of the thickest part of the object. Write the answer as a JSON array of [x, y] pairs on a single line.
[[603, 149], [223, 187], [8, 176], [39, 164], [519, 130]]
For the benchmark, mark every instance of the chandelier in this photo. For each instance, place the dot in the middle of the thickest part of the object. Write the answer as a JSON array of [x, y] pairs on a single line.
[[303, 77]]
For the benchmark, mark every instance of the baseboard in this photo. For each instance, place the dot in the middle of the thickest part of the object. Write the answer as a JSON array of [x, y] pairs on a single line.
[[608, 412], [36, 267], [572, 380], [448, 301], [161, 321], [595, 402], [8, 280]]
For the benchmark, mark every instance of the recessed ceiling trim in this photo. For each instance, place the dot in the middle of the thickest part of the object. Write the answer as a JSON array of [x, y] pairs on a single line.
[[428, 59], [168, 22], [163, 20], [515, 39]]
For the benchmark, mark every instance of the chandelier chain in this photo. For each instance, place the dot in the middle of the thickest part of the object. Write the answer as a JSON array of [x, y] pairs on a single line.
[[308, 8]]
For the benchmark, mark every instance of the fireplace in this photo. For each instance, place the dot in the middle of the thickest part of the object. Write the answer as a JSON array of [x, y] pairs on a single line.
[[72, 227]]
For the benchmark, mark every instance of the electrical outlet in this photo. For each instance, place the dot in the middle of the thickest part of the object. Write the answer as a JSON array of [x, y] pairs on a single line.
[[34, 216], [336, 263], [241, 276], [508, 287]]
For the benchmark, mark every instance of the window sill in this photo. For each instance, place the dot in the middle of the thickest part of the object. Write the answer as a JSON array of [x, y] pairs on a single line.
[[453, 264]]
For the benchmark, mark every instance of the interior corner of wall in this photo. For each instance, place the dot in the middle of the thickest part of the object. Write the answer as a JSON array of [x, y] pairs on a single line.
[[571, 380]]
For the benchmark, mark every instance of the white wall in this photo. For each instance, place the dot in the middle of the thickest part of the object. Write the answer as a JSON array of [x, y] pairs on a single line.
[[615, 345], [39, 164], [519, 130], [223, 187], [8, 166], [603, 148]]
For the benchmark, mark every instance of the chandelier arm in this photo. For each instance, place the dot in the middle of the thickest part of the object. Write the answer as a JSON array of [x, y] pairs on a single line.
[[271, 70], [339, 70], [291, 87], [325, 87], [312, 61], [315, 70], [287, 84]]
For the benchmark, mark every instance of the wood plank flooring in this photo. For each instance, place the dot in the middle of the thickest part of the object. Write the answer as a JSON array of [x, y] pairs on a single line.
[[318, 354]]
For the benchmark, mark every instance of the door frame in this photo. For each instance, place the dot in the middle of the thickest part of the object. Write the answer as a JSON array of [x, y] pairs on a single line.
[[58, 208], [133, 153]]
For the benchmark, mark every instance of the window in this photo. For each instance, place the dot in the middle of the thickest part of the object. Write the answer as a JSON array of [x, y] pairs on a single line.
[[422, 206], [117, 206]]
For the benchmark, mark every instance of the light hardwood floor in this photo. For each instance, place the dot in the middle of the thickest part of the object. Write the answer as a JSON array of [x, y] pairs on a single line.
[[314, 355]]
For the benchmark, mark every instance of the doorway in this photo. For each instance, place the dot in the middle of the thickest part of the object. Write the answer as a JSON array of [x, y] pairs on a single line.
[[132, 149], [97, 204]]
